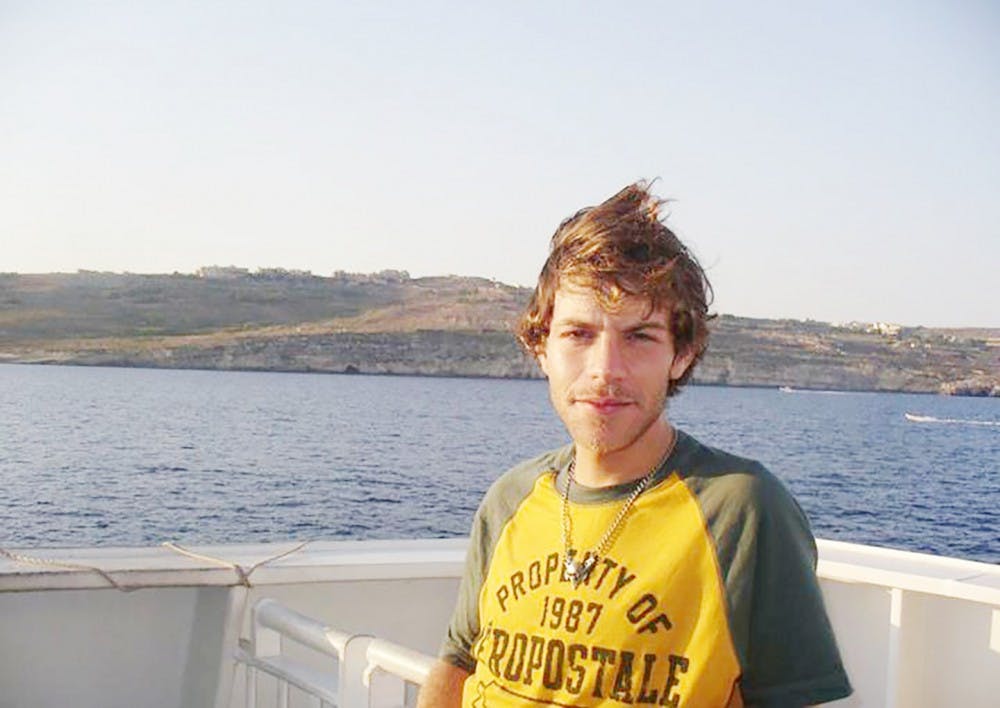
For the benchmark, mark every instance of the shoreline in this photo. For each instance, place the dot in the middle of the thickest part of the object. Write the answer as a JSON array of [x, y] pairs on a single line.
[[786, 388]]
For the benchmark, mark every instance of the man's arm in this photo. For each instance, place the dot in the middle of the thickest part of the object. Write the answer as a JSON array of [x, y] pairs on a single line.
[[443, 688]]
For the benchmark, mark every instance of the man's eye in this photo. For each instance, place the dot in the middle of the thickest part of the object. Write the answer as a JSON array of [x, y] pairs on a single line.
[[576, 334], [642, 337]]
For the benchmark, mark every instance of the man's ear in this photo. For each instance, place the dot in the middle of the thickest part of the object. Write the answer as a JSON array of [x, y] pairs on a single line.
[[542, 361], [682, 362]]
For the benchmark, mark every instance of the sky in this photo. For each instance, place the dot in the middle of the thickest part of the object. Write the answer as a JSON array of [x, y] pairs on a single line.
[[828, 161]]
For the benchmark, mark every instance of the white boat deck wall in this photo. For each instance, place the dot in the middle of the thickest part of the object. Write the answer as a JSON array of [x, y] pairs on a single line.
[[95, 647], [915, 630], [68, 639]]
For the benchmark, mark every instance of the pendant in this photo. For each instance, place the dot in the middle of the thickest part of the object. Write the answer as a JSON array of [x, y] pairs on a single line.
[[578, 572]]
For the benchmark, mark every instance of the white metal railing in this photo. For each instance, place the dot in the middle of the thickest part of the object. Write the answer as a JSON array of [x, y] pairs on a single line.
[[357, 671], [915, 631], [395, 673], [896, 613], [273, 627]]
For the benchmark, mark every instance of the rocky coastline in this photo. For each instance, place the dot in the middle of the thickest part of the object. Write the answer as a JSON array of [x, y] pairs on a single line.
[[452, 326]]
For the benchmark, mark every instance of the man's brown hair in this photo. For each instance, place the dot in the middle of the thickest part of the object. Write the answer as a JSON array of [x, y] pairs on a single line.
[[621, 248]]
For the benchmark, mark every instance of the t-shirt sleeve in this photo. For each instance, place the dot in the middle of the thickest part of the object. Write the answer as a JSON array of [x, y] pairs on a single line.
[[767, 561], [464, 625], [791, 654]]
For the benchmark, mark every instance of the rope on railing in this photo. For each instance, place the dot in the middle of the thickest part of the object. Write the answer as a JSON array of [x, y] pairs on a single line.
[[242, 574], [48, 562]]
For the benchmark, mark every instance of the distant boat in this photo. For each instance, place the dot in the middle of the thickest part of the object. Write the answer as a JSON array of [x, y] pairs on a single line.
[[825, 392], [914, 418]]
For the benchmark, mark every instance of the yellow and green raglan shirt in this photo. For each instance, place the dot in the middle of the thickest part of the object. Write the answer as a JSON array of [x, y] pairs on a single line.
[[706, 597]]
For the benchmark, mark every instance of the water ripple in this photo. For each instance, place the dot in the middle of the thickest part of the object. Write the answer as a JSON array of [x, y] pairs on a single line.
[[217, 457]]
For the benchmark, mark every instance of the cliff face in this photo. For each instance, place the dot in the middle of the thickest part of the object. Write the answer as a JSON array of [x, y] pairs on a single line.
[[431, 353], [436, 326], [821, 356]]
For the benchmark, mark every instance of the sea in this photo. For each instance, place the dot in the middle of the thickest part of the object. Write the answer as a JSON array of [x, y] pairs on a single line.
[[93, 456]]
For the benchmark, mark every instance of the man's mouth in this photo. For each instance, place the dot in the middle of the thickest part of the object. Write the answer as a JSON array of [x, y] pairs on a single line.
[[604, 405]]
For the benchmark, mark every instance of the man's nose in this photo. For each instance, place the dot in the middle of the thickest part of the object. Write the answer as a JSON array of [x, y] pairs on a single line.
[[606, 360]]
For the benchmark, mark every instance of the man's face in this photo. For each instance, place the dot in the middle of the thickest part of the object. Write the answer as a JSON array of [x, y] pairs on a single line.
[[608, 371]]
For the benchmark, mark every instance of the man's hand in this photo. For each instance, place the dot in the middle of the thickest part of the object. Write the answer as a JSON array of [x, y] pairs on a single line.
[[443, 688]]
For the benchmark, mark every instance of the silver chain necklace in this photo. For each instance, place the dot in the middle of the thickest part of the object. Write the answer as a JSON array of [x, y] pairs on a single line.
[[578, 570]]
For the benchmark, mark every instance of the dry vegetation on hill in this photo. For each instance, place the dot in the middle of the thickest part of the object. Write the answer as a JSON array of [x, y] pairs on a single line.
[[457, 326]]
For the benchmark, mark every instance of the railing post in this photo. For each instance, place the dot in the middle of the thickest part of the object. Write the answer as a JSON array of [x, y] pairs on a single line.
[[393, 673], [892, 677], [353, 692], [235, 605], [266, 641], [251, 688]]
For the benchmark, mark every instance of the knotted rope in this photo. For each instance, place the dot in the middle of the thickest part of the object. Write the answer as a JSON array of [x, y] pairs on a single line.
[[242, 574]]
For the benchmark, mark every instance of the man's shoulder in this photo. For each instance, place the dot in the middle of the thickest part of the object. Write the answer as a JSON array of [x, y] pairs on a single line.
[[717, 476], [745, 506], [517, 482]]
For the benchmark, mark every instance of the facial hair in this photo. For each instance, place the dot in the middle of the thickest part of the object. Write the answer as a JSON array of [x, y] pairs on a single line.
[[598, 440]]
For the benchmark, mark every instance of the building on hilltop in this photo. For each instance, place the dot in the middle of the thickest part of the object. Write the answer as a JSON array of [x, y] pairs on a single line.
[[222, 272]]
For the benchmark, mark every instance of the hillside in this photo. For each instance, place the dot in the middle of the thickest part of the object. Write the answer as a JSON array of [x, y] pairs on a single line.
[[226, 318]]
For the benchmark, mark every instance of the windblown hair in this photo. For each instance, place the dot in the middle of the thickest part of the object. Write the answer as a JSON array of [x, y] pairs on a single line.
[[619, 249]]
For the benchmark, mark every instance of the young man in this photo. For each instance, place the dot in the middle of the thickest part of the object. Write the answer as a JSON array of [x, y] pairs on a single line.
[[635, 566]]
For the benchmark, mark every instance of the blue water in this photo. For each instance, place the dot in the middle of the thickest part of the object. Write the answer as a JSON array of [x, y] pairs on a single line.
[[104, 456]]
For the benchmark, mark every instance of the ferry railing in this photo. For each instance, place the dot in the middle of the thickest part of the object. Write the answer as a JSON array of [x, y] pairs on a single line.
[[364, 672], [894, 612], [898, 613], [395, 673], [273, 627]]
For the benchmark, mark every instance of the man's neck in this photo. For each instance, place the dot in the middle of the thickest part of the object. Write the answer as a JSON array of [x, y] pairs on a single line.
[[593, 468]]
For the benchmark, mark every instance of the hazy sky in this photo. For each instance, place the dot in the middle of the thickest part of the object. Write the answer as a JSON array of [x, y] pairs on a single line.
[[833, 161]]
